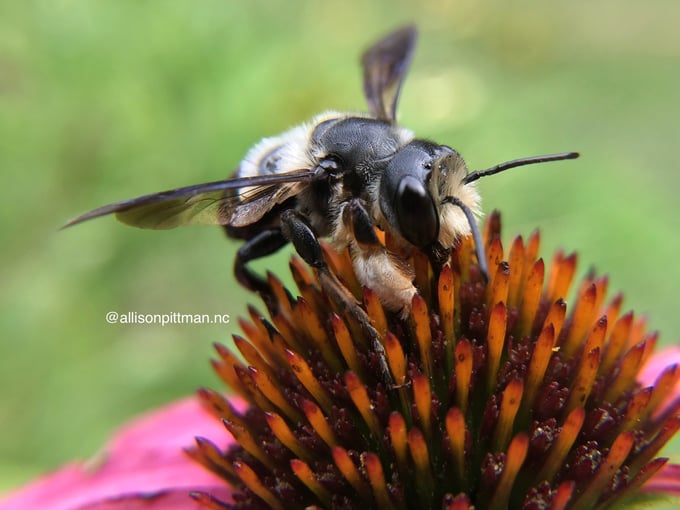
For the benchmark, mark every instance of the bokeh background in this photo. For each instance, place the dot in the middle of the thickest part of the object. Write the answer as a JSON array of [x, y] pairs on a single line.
[[101, 101]]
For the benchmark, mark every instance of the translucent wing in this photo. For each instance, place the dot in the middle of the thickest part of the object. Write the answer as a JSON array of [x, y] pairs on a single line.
[[211, 203], [385, 65]]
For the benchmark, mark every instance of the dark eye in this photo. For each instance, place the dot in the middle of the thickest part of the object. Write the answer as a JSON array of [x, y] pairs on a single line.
[[416, 214]]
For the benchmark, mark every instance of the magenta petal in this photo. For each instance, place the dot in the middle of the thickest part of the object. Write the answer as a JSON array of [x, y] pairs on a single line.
[[171, 427], [654, 367], [143, 467], [656, 364], [666, 481]]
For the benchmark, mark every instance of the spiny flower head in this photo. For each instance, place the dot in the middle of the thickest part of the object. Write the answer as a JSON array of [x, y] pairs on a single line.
[[489, 395]]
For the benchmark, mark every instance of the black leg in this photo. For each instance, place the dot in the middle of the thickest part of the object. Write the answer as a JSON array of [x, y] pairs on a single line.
[[298, 232], [263, 244], [355, 216], [438, 256], [295, 228]]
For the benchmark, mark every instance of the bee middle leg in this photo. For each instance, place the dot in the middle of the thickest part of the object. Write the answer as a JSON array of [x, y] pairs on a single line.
[[296, 229], [298, 232]]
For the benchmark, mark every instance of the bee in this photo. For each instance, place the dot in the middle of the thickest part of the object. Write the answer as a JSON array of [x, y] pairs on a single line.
[[340, 177]]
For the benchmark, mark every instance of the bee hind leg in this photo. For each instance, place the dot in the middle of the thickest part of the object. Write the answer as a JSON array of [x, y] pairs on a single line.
[[264, 243]]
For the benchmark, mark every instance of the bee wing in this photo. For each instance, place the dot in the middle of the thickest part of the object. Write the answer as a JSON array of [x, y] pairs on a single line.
[[251, 206], [207, 204], [385, 65]]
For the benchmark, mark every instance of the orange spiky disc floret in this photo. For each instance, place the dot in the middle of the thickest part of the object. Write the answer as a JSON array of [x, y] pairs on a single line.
[[490, 396]]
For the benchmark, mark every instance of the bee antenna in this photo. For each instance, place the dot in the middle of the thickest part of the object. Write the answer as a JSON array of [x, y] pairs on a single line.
[[479, 244], [473, 176]]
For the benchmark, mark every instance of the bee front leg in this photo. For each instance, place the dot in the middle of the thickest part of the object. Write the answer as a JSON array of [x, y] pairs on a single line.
[[438, 256], [377, 268]]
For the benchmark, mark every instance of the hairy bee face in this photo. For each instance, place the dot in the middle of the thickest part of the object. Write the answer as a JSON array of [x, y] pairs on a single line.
[[449, 172], [412, 191]]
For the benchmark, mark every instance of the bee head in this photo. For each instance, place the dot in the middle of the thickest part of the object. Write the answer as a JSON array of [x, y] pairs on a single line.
[[427, 194], [416, 180]]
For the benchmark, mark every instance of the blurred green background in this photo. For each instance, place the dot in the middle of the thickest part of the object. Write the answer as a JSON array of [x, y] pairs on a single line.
[[101, 101]]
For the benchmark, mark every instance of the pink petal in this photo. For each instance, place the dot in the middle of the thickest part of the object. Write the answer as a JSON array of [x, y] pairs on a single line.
[[143, 467], [657, 363], [654, 367], [666, 481]]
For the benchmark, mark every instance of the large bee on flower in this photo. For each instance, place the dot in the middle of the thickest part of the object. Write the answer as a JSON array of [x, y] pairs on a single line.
[[340, 176]]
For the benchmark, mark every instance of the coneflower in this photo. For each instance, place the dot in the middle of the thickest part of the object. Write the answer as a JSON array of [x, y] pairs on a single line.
[[488, 396]]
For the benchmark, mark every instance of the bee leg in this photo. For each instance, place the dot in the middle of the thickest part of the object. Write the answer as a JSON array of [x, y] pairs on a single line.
[[263, 244], [298, 232], [438, 256]]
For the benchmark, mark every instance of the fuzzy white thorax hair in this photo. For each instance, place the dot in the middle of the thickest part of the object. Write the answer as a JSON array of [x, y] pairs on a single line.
[[291, 149]]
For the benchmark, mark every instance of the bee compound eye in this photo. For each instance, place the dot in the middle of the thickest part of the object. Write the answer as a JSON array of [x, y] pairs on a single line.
[[416, 213]]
